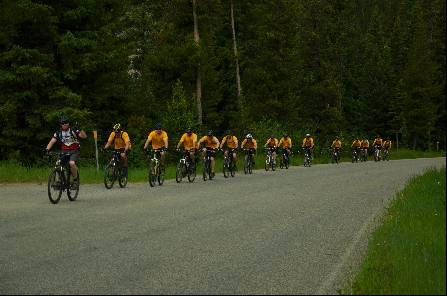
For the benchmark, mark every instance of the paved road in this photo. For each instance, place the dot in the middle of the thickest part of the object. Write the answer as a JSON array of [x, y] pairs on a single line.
[[296, 231]]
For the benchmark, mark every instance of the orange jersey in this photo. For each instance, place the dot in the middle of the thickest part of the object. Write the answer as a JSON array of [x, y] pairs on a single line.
[[157, 140]]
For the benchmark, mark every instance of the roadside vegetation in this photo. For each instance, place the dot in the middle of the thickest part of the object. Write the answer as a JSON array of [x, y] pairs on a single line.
[[14, 172], [406, 255]]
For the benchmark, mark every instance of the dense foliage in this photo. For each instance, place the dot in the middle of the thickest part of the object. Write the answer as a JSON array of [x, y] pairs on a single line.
[[346, 67]]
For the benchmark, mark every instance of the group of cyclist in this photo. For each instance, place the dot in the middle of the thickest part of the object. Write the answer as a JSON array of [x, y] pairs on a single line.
[[189, 142], [360, 147]]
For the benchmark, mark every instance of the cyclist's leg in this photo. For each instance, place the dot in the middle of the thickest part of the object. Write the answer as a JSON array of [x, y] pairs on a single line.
[[234, 156], [74, 157], [124, 162], [162, 158]]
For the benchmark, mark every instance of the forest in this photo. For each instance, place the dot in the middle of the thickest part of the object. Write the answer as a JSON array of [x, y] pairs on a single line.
[[342, 67]]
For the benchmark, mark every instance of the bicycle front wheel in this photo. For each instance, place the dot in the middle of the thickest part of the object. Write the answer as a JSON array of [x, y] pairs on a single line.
[[109, 175], [226, 167], [152, 174], [179, 173], [161, 175], [122, 180], [191, 173], [73, 187], [55, 186]]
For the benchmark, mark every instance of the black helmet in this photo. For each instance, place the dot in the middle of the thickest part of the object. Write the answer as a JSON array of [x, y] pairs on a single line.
[[158, 126], [189, 130], [229, 132], [209, 132], [272, 136], [286, 135], [64, 119]]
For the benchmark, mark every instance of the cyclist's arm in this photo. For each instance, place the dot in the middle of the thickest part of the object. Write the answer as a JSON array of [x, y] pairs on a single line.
[[126, 141], [109, 141], [82, 134], [216, 140], [165, 140], [223, 142], [51, 143], [237, 143], [149, 139]]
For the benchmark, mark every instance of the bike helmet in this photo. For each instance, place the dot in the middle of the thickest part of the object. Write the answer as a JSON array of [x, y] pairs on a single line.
[[286, 135], [209, 132], [158, 126], [117, 127], [64, 119], [272, 136], [307, 135], [189, 130], [249, 136]]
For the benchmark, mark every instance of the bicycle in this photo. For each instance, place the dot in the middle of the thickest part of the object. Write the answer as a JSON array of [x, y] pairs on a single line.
[[156, 171], [229, 165], [248, 161], [335, 155], [307, 157], [377, 153], [355, 155], [364, 154], [114, 170], [386, 154], [269, 161], [284, 161], [207, 174], [186, 167], [61, 179]]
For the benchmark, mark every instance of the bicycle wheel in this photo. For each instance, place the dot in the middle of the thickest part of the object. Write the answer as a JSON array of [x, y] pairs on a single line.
[[286, 163], [226, 167], [191, 172], [210, 174], [267, 163], [55, 186], [152, 173], [232, 169], [281, 162], [73, 187], [122, 180], [205, 170], [246, 164], [250, 164], [273, 164], [179, 173], [161, 175], [109, 175]]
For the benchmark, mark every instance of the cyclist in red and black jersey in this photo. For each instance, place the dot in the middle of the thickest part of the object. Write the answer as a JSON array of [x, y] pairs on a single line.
[[69, 139]]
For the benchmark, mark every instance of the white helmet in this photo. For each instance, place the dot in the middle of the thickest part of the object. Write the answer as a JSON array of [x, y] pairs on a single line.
[[307, 135], [249, 136]]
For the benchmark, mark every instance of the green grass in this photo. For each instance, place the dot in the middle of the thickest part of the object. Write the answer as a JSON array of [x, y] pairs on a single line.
[[12, 172], [406, 254]]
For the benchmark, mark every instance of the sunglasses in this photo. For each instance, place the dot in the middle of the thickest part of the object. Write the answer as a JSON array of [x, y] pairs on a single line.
[[64, 122]]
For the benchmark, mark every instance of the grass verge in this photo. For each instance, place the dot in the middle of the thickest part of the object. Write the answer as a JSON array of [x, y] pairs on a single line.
[[406, 254]]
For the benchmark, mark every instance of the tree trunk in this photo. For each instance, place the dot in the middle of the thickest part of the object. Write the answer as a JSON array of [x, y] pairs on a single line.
[[238, 77], [199, 79]]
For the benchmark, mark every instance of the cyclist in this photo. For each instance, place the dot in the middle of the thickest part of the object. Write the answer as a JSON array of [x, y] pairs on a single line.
[[336, 145], [69, 139], [377, 144], [308, 144], [159, 141], [272, 145], [364, 147], [189, 142], [286, 143], [387, 144], [356, 144], [249, 145], [122, 144], [211, 143], [231, 144]]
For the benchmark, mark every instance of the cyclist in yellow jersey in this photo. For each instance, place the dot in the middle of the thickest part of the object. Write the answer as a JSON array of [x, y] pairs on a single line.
[[356, 144], [378, 142], [158, 139], [387, 143], [286, 143], [211, 144], [308, 144], [364, 148], [231, 144], [189, 142], [121, 141], [272, 145], [336, 143], [250, 146]]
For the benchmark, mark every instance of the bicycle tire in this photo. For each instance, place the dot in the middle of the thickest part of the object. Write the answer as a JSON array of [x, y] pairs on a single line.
[[122, 180], [232, 169], [273, 165], [191, 173], [109, 175], [73, 188], [205, 170], [151, 174], [226, 167], [161, 175], [246, 164], [55, 186], [267, 164], [179, 173]]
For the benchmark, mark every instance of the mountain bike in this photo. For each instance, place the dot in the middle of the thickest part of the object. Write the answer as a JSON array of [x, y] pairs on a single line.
[[207, 174], [386, 154], [186, 167], [114, 170], [307, 157], [156, 171], [377, 153], [355, 155], [335, 155], [229, 165], [248, 161], [364, 154], [284, 161], [269, 160], [61, 179]]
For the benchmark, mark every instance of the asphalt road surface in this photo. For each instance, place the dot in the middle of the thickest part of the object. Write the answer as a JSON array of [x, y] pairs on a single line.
[[295, 231]]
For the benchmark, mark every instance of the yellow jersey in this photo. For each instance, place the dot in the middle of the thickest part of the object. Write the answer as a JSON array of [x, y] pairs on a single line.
[[210, 142], [120, 139], [336, 144], [272, 142], [188, 141], [308, 142], [249, 144], [157, 140], [356, 144], [230, 141], [287, 143]]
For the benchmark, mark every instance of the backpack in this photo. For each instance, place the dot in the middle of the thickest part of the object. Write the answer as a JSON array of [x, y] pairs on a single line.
[[121, 136]]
